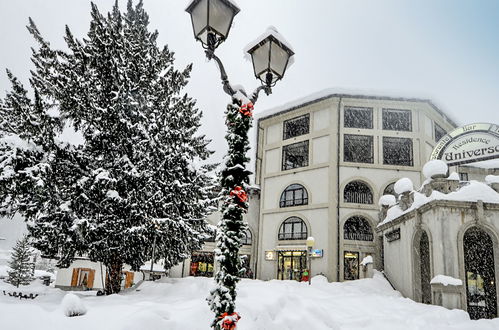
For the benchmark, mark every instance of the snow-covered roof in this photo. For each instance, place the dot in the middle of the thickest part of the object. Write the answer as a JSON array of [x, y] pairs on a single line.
[[472, 192], [349, 93]]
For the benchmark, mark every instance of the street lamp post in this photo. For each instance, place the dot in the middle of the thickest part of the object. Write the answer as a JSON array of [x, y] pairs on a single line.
[[310, 246], [211, 22]]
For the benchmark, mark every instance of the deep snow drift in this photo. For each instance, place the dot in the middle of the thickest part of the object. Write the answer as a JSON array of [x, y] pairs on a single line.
[[176, 304]]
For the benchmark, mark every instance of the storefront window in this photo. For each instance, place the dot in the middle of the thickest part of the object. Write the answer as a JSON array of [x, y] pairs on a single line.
[[351, 266], [291, 265], [202, 264]]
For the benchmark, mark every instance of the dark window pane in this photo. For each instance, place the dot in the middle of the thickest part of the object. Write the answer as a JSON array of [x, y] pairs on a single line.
[[358, 229], [358, 192], [397, 151], [296, 126], [294, 195], [390, 190], [397, 120], [463, 176], [358, 117], [439, 132], [247, 240], [358, 149], [295, 155], [292, 229]]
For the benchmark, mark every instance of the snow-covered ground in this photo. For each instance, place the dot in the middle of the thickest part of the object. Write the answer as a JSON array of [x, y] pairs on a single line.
[[275, 305]]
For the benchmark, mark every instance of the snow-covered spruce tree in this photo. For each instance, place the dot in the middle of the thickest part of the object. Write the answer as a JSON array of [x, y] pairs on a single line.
[[20, 264], [134, 180], [235, 179]]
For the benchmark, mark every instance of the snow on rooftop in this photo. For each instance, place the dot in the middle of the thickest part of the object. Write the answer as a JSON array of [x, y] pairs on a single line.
[[337, 91], [435, 167], [487, 164], [232, 2], [490, 179], [446, 280], [472, 192]]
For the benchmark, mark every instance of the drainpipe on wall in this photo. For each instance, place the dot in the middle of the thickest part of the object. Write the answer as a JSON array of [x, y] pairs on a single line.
[[338, 192]]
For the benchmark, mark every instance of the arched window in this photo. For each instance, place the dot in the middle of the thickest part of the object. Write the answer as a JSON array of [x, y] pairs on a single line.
[[293, 228], [389, 190], [248, 238], [294, 195], [358, 229], [358, 192]]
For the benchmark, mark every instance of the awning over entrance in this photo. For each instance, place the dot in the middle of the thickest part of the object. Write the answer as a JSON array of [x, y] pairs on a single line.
[[291, 248]]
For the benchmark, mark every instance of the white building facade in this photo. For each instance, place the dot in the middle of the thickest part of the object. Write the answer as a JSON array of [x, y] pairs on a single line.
[[322, 165]]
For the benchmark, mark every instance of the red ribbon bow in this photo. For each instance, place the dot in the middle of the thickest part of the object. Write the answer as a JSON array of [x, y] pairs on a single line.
[[228, 322], [240, 194], [246, 109]]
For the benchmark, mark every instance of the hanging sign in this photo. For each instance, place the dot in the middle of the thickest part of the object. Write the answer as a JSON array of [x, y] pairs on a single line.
[[317, 253], [270, 255], [468, 144]]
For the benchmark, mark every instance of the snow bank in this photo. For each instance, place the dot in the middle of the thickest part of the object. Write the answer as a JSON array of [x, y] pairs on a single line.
[[446, 280], [178, 304], [403, 185], [73, 306], [435, 168]]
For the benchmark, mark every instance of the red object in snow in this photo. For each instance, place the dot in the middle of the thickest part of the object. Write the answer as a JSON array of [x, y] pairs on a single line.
[[228, 322], [246, 109], [240, 194]]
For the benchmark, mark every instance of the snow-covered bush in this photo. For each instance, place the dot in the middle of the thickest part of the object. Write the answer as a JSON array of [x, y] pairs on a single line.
[[435, 168], [21, 268], [403, 185], [454, 176], [73, 306]]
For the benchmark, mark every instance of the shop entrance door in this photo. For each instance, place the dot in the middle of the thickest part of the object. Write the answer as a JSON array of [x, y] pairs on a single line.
[[480, 274], [351, 266], [291, 265]]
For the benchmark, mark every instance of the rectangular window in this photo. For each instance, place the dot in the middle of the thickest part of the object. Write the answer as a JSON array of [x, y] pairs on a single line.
[[463, 176], [439, 132], [296, 126], [397, 151], [295, 155], [397, 120], [358, 148], [350, 266], [358, 117]]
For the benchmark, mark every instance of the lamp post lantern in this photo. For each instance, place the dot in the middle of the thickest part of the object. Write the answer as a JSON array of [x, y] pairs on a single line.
[[271, 55]]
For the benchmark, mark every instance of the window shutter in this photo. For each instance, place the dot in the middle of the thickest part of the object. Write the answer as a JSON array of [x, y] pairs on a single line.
[[91, 276], [74, 278]]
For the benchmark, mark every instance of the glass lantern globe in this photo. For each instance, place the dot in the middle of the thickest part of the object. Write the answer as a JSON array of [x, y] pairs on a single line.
[[211, 20], [271, 56]]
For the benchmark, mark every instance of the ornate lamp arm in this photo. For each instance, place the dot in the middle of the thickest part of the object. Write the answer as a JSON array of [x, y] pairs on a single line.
[[254, 96], [210, 54]]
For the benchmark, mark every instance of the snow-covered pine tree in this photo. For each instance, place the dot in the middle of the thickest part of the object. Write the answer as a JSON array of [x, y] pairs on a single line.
[[134, 180], [235, 179], [21, 266]]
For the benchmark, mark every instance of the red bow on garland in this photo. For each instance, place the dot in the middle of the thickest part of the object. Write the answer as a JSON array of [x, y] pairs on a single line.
[[240, 194], [228, 322], [246, 109]]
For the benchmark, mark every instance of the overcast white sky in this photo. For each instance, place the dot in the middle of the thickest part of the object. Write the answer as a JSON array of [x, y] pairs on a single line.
[[445, 50]]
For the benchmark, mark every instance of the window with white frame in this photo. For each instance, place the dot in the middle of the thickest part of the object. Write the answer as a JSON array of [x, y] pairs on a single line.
[[397, 151], [397, 120], [294, 195], [358, 117], [357, 192], [295, 155], [358, 148], [293, 228], [296, 126]]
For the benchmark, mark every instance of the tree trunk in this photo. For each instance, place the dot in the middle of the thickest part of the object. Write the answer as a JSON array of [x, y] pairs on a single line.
[[113, 277]]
